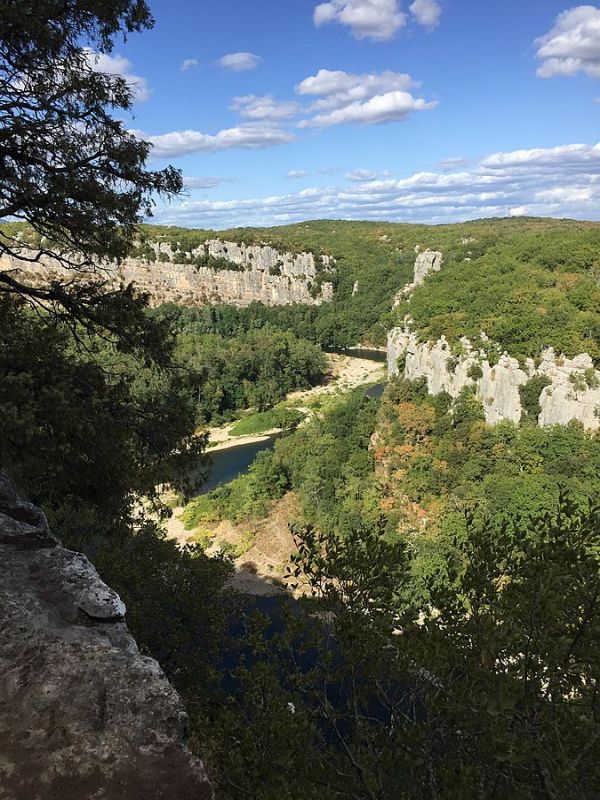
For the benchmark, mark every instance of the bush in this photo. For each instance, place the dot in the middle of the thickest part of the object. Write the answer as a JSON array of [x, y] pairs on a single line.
[[475, 372], [530, 396]]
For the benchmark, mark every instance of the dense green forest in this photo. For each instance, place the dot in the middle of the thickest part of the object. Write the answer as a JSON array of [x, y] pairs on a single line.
[[442, 519], [528, 283], [254, 369], [431, 463]]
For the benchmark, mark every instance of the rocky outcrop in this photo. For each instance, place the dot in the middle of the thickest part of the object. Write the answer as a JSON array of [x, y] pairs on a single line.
[[425, 262], [82, 713], [259, 273], [497, 385], [572, 393]]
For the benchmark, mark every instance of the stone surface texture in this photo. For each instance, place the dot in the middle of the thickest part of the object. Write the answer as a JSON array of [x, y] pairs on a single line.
[[572, 394], [83, 715], [186, 284], [425, 262]]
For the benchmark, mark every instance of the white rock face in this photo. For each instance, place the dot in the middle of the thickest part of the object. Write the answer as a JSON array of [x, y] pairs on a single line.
[[186, 284], [570, 396], [498, 386], [573, 392], [426, 262]]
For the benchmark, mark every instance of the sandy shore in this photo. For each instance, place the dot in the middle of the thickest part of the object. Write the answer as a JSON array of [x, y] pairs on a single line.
[[222, 438], [346, 372], [273, 543]]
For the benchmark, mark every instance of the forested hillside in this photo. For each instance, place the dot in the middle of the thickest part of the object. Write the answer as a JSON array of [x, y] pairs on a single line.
[[528, 283], [452, 557]]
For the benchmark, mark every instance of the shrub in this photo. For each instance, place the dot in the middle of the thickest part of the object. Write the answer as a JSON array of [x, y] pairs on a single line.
[[475, 372], [530, 396]]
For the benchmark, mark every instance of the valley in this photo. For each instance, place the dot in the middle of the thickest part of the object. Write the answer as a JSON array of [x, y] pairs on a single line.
[[299, 400], [427, 507], [267, 544]]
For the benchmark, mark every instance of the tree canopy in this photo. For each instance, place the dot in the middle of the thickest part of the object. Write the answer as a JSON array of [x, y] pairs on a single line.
[[68, 166]]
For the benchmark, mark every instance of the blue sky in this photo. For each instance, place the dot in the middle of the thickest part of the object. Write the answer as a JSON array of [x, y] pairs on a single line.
[[431, 111]]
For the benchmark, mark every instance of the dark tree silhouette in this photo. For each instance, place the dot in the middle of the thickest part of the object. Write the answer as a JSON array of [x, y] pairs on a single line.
[[68, 167]]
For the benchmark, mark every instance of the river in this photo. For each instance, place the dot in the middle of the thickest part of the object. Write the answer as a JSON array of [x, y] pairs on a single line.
[[366, 353], [230, 462], [227, 463]]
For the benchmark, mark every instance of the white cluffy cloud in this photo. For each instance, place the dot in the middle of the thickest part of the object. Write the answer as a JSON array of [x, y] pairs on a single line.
[[266, 107], [336, 88], [573, 44], [239, 62], [368, 98], [376, 19], [188, 63], [426, 12], [119, 65], [582, 158], [388, 107], [247, 136], [557, 182], [297, 173], [367, 19]]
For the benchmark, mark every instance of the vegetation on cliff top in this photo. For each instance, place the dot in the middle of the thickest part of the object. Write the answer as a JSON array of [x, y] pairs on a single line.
[[528, 283]]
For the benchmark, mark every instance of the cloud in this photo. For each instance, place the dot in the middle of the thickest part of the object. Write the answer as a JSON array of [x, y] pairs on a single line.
[[426, 12], [452, 163], [248, 136], [559, 182], [119, 65], [205, 183], [577, 157], [297, 173], [239, 62], [367, 98], [389, 107], [367, 19], [573, 44], [266, 107], [188, 63], [336, 88], [361, 175]]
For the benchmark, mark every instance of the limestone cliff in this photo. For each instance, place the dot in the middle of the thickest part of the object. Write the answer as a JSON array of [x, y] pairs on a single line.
[[425, 262], [258, 273], [83, 713], [572, 393]]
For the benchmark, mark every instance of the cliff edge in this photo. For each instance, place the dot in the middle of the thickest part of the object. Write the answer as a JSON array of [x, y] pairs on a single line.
[[245, 274], [569, 389], [82, 713]]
